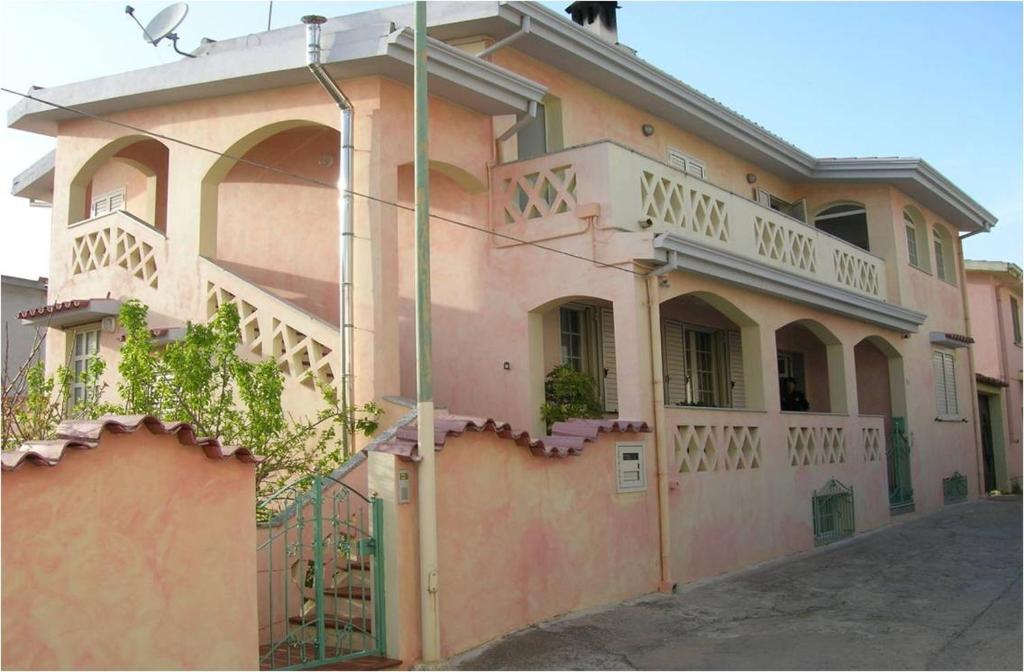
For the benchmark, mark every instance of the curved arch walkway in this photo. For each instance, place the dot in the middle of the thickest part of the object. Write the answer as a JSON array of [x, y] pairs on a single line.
[[939, 592]]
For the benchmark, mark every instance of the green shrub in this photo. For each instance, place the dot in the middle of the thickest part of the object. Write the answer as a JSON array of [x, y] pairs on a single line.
[[568, 394]]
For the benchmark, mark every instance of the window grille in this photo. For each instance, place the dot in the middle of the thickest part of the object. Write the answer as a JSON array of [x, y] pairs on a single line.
[[954, 488], [911, 240], [1015, 317], [832, 509]]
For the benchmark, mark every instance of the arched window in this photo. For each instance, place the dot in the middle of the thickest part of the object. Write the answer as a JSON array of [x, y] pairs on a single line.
[[945, 267], [848, 221], [917, 239]]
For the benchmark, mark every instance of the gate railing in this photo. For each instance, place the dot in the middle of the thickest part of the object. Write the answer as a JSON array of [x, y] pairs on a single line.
[[954, 488], [901, 493], [320, 576]]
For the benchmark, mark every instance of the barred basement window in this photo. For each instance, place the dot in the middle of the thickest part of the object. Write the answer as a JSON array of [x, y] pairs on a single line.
[[954, 488], [832, 510]]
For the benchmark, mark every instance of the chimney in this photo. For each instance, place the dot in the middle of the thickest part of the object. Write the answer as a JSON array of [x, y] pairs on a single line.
[[597, 17]]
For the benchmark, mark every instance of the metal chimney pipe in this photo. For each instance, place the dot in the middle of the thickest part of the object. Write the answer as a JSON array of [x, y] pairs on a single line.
[[345, 223]]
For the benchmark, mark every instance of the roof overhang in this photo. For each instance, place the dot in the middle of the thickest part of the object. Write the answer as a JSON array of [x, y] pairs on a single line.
[[36, 181], [278, 59], [1007, 272], [949, 339], [687, 256], [70, 313]]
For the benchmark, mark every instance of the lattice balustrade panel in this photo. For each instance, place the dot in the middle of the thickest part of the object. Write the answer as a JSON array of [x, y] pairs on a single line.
[[709, 216], [706, 448], [785, 245], [809, 446], [662, 200], [114, 246], [871, 440], [539, 194], [854, 271]]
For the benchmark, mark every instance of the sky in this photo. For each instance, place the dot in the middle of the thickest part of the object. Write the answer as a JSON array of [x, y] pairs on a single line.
[[941, 81]]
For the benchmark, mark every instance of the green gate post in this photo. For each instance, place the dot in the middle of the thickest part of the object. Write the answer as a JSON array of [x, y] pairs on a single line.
[[901, 494], [377, 506], [318, 566]]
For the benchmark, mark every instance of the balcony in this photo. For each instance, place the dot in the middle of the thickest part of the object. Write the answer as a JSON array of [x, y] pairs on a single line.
[[118, 241], [561, 194]]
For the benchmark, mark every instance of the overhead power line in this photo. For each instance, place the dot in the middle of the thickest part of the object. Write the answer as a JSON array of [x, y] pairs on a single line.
[[314, 181]]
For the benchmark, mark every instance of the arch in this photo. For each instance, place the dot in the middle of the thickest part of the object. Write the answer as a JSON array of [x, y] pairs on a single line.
[[79, 186], [881, 389], [699, 326], [847, 220], [464, 179], [917, 238], [220, 168], [586, 342], [813, 355]]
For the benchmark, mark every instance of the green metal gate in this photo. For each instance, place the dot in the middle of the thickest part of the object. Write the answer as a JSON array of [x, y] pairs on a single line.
[[901, 494], [320, 576], [832, 511]]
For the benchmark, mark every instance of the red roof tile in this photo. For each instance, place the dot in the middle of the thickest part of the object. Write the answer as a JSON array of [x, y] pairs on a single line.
[[959, 337], [989, 380], [50, 309], [85, 434], [568, 438]]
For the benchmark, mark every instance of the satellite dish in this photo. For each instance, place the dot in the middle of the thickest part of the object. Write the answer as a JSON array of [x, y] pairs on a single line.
[[165, 22]]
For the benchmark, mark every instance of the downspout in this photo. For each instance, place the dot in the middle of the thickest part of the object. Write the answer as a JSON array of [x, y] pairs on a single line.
[[970, 362], [345, 224], [524, 29], [660, 440], [531, 112]]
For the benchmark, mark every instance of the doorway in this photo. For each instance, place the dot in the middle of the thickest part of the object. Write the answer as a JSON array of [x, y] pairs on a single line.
[[988, 457]]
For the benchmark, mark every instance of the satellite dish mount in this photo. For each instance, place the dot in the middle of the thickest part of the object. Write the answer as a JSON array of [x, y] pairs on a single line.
[[163, 25]]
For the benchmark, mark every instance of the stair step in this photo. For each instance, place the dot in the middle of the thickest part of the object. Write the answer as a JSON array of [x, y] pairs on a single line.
[[336, 622], [351, 592]]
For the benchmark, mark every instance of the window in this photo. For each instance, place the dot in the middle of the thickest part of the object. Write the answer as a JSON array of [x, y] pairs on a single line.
[[791, 365], [848, 221], [911, 239], [940, 263], [1015, 318], [85, 344], [572, 338], [685, 163], [588, 346], [543, 133], [797, 210], [944, 371], [108, 202], [630, 463], [703, 366]]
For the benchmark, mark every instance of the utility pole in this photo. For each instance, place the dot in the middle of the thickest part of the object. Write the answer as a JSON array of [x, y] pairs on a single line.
[[429, 612]]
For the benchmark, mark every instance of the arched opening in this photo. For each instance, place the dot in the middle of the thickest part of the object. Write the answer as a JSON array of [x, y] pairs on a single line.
[[577, 332], [945, 254], [128, 174], [848, 221], [711, 353], [917, 238], [276, 230], [811, 370], [881, 391]]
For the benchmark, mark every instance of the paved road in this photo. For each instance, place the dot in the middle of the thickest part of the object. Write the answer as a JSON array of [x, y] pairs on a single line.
[[939, 592]]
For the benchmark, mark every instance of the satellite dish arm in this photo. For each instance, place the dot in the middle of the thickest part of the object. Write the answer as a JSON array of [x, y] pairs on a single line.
[[130, 11], [174, 43]]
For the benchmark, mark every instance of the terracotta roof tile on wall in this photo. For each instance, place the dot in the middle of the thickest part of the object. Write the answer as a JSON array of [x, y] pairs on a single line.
[[85, 434], [989, 380], [53, 308], [568, 438]]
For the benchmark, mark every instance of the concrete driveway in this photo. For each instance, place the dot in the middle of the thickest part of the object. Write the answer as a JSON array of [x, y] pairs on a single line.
[[941, 591]]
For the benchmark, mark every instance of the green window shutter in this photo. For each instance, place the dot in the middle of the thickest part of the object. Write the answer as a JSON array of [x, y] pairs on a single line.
[[674, 366]]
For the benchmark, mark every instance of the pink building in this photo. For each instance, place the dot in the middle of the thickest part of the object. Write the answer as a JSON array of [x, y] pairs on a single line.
[[590, 210], [994, 295]]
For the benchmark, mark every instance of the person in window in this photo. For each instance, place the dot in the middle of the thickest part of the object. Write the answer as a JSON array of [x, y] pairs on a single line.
[[792, 398]]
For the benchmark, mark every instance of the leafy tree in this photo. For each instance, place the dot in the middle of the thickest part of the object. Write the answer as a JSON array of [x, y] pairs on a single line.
[[202, 380], [568, 394]]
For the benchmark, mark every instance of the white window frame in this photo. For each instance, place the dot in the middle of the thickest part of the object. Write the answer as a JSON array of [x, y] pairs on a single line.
[[940, 255], [107, 198], [947, 402], [631, 474], [912, 251], [1015, 319], [687, 163], [77, 363]]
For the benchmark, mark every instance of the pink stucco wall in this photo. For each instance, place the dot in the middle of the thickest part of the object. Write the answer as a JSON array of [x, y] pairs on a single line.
[[137, 554]]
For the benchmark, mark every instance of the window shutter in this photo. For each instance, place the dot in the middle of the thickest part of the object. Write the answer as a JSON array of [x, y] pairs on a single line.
[[949, 374], [738, 389], [675, 367], [117, 201], [610, 377]]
